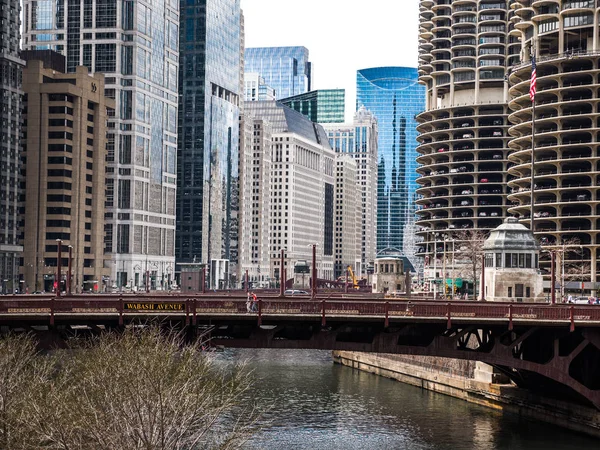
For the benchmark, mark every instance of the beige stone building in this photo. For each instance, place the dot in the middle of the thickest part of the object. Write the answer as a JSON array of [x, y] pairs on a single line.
[[512, 264], [347, 216], [64, 147]]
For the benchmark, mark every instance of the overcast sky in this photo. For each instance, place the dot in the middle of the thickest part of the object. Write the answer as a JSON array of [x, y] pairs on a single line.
[[342, 36]]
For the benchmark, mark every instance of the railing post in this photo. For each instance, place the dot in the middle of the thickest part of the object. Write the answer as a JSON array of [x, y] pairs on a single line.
[[259, 312], [323, 321], [387, 315], [52, 311], [194, 306], [572, 317], [120, 310], [187, 312], [449, 323], [510, 314]]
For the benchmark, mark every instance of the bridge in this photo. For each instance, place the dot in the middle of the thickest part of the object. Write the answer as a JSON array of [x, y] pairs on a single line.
[[545, 348]]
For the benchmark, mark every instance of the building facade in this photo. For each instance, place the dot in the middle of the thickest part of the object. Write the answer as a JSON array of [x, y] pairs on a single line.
[[10, 97], [565, 37], [208, 152], [321, 106], [394, 96], [135, 45], [285, 69], [256, 89], [255, 186], [464, 52], [359, 140], [302, 184], [347, 216], [64, 154]]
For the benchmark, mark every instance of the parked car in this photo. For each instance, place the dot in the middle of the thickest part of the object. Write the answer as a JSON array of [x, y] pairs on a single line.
[[494, 214], [467, 136], [294, 292], [484, 191], [465, 203], [483, 180], [466, 192], [443, 149], [497, 156], [482, 214]]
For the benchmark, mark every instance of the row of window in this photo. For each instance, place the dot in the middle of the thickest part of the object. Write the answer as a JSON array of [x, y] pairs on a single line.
[[511, 260]]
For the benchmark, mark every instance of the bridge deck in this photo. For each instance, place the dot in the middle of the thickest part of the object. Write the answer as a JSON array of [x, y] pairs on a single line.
[[193, 309]]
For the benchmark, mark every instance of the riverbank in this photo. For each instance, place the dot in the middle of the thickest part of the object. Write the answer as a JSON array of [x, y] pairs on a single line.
[[463, 380]]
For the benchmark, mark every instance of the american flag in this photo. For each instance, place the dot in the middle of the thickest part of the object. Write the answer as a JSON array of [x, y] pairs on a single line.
[[533, 84]]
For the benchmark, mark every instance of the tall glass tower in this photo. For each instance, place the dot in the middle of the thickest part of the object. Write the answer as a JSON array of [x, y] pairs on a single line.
[[10, 99], [135, 45], [209, 97], [394, 96], [286, 69]]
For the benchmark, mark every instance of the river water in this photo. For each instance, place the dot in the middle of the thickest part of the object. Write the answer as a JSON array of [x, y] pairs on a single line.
[[315, 404]]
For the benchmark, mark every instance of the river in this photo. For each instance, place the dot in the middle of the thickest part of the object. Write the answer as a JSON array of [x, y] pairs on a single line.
[[315, 404]]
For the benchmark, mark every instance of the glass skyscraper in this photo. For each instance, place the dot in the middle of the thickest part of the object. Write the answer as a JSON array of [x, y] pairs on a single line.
[[320, 106], [207, 165], [10, 98], [135, 45], [395, 97], [286, 69]]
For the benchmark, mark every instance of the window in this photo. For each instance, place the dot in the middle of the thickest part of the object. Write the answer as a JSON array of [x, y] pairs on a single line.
[[528, 291], [510, 291], [106, 57], [498, 260]]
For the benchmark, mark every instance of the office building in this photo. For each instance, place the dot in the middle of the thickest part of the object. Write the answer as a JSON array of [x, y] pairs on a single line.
[[285, 69], [321, 106], [208, 150], [135, 45], [10, 97], [64, 153], [348, 208], [359, 140], [301, 192], [566, 215], [394, 96], [256, 89], [464, 50]]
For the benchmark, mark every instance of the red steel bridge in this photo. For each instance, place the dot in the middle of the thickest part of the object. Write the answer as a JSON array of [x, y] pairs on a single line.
[[545, 348]]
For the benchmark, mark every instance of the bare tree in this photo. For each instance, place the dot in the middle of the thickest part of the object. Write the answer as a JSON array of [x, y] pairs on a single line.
[[23, 376], [143, 389], [568, 253], [468, 252]]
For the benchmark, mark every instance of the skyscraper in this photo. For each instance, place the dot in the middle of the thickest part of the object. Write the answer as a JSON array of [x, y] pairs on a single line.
[[321, 106], [209, 111], [10, 98], [463, 132], [65, 162], [358, 139], [394, 96], [292, 154], [135, 45], [286, 69]]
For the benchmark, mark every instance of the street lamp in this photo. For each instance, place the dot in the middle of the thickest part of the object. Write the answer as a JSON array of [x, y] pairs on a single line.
[[58, 268], [69, 270]]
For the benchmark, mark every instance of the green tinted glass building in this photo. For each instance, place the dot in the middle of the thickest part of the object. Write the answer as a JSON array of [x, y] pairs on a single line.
[[321, 106]]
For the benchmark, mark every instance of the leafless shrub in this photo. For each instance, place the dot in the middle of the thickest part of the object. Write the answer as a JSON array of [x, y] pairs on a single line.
[[143, 389]]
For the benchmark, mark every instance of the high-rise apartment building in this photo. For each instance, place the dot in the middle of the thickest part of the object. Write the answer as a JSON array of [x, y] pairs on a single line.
[[394, 96], [209, 114], [64, 153], [256, 89], [347, 236], [359, 140], [285, 69], [464, 52], [135, 45], [301, 191], [321, 106], [565, 38], [10, 102]]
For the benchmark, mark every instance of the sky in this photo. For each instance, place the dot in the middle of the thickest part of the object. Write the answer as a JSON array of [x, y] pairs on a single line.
[[342, 36]]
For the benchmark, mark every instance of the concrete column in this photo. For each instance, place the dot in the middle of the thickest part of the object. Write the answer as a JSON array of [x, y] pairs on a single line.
[[593, 255]]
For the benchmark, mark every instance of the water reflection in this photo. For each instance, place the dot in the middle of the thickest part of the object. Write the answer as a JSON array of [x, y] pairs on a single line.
[[318, 405]]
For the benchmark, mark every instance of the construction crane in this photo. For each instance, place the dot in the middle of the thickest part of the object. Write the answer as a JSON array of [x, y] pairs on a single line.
[[354, 281]]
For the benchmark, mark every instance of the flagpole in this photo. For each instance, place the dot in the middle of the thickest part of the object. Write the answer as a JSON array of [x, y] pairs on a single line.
[[534, 87]]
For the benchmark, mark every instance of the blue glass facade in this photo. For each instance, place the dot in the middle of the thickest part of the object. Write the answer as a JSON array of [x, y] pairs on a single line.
[[320, 106], [286, 69], [207, 163], [395, 97]]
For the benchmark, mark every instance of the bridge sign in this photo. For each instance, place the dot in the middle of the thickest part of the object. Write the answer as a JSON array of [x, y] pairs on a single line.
[[155, 306]]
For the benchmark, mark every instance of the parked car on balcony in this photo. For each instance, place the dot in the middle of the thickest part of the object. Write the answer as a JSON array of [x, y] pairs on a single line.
[[483, 180], [465, 203], [466, 192], [497, 156], [494, 214], [443, 149]]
